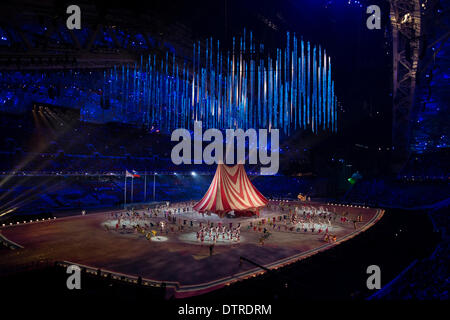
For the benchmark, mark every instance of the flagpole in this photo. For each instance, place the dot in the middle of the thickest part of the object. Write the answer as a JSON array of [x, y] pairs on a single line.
[[132, 182], [145, 186], [125, 192], [154, 181]]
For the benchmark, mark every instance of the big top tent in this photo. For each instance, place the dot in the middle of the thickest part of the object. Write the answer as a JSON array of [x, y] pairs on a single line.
[[231, 191]]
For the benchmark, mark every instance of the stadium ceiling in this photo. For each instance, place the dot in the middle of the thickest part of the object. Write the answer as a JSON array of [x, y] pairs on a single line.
[[35, 36]]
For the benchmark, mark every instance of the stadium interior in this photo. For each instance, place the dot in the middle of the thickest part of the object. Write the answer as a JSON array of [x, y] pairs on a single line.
[[76, 116]]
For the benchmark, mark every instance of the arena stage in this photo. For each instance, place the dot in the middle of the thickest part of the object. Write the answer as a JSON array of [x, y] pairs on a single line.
[[176, 257]]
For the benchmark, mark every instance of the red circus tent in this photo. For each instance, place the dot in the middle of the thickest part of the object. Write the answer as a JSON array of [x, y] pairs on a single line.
[[231, 190]]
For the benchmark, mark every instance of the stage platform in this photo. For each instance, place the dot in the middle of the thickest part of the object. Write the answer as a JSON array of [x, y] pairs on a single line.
[[178, 259]]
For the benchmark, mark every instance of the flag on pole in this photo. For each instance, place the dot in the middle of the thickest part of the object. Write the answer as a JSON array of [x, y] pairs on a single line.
[[128, 174], [136, 174]]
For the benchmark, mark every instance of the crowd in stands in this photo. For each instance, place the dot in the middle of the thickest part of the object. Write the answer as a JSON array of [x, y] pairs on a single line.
[[397, 193], [78, 147], [67, 88], [62, 164], [428, 278], [427, 166], [38, 194], [46, 131], [39, 144]]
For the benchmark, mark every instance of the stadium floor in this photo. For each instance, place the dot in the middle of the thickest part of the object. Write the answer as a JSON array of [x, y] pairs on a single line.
[[84, 240]]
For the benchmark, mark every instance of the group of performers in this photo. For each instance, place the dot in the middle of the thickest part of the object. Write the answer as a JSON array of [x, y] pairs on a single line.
[[302, 219], [296, 218], [129, 218], [213, 234], [312, 219], [169, 211]]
